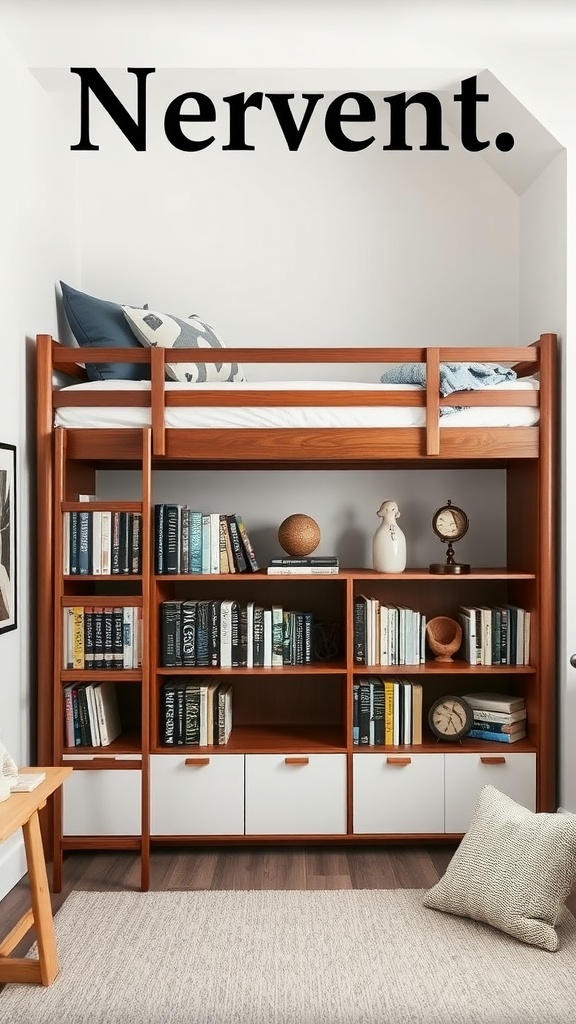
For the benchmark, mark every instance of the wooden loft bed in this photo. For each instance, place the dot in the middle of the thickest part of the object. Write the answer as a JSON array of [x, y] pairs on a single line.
[[86, 427], [290, 447]]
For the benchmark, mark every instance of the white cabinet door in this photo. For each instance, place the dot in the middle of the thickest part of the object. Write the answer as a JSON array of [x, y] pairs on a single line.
[[398, 793], [513, 774], [295, 794], [196, 795], [102, 803]]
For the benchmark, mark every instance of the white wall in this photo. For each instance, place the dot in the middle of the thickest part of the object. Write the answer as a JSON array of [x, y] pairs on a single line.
[[36, 202], [296, 248]]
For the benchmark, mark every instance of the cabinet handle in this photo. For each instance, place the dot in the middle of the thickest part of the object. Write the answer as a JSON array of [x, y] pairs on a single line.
[[296, 760], [399, 760], [197, 762], [492, 760]]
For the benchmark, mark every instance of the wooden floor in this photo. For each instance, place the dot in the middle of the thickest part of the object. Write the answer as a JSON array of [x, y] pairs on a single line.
[[261, 867]]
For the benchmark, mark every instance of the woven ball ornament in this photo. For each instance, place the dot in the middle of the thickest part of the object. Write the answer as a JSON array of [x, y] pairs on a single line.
[[299, 535]]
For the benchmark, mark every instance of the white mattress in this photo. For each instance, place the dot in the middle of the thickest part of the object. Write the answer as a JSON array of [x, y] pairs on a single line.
[[279, 416]]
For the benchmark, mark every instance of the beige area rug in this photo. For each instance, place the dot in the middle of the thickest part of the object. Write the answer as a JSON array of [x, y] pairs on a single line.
[[285, 957]]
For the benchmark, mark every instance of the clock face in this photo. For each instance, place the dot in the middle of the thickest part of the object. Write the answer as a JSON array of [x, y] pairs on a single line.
[[450, 522], [450, 718]]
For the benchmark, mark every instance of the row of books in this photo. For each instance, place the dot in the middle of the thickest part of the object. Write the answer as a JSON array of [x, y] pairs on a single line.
[[196, 712], [387, 634], [102, 543], [495, 635], [102, 637], [91, 716], [386, 712], [189, 541], [497, 717], [232, 634]]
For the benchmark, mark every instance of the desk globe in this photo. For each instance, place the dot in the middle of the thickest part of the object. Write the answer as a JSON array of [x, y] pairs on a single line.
[[299, 535]]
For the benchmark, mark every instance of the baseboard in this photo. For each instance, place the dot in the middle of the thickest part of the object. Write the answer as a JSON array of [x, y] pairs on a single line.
[[12, 863]]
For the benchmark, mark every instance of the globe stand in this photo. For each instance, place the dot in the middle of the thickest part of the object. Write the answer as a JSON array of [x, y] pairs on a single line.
[[449, 567]]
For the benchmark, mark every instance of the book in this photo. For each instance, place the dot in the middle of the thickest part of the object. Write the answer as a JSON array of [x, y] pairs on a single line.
[[25, 782], [189, 633], [237, 548], [306, 560], [499, 717], [106, 702], [512, 727], [302, 570], [360, 630], [497, 737], [249, 553], [417, 700], [495, 702], [277, 636], [171, 614]]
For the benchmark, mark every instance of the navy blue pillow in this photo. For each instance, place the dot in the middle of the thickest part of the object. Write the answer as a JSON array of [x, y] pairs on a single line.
[[97, 323]]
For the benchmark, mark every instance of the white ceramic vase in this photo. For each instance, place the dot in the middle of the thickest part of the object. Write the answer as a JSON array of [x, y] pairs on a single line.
[[389, 544]]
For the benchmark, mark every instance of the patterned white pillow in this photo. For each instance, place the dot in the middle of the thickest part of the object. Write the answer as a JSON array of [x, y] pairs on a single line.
[[512, 870], [153, 328]]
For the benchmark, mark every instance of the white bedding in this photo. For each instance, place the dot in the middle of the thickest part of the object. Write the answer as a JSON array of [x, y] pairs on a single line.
[[304, 416]]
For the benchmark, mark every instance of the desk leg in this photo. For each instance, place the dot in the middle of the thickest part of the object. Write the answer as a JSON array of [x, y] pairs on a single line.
[[40, 899]]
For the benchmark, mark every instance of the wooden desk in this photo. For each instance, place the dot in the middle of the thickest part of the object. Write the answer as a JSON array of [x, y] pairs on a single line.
[[20, 810]]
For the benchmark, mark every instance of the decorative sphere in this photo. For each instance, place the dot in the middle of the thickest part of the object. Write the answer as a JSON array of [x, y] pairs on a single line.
[[299, 535]]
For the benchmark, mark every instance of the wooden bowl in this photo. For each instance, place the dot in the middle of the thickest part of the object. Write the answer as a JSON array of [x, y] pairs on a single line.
[[444, 637]]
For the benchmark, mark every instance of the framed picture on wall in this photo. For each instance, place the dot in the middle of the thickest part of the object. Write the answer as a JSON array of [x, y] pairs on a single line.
[[7, 537]]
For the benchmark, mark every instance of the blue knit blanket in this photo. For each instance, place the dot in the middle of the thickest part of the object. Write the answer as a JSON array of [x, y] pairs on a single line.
[[453, 377]]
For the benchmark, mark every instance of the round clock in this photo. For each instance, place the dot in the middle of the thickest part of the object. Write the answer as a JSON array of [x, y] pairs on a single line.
[[450, 718], [450, 524]]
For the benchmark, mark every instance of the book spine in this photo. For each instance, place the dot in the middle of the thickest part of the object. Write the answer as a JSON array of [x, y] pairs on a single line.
[[73, 548], [84, 543], [501, 717], [277, 636], [364, 711], [128, 647], [223, 553], [96, 544], [136, 549], [306, 560], [172, 539], [108, 637], [194, 542], [106, 543], [115, 558], [189, 633], [496, 737], [258, 637], [302, 570], [360, 631], [214, 633], [98, 638], [214, 542], [118, 637], [168, 694], [481, 725], [202, 634], [78, 639], [171, 634], [239, 559], [249, 553], [88, 637]]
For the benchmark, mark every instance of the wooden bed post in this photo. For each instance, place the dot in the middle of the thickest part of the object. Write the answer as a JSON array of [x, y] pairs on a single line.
[[433, 401]]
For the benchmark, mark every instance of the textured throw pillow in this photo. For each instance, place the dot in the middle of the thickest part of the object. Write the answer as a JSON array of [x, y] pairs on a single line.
[[98, 323], [166, 331], [512, 870]]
